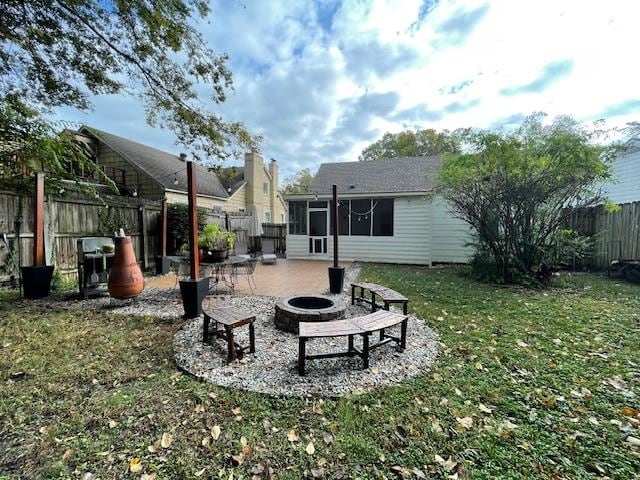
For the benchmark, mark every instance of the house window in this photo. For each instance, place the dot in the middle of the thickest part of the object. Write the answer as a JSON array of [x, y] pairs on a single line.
[[298, 218], [343, 217], [361, 217], [383, 217], [265, 188], [267, 217]]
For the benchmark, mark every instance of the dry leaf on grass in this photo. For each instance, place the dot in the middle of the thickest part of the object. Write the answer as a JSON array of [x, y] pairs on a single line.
[[166, 440], [310, 449], [135, 465], [292, 436], [466, 422], [216, 431]]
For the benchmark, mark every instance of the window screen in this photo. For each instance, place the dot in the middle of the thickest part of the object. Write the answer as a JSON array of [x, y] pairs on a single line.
[[298, 218], [361, 217], [383, 217], [343, 217]]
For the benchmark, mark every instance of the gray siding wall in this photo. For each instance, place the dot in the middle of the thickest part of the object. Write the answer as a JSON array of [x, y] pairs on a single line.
[[625, 184], [410, 243], [449, 235]]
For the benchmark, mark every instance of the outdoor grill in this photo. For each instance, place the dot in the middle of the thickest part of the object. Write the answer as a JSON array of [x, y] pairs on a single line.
[[95, 259]]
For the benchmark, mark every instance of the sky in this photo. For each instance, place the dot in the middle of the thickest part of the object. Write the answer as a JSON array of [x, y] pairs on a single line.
[[322, 79]]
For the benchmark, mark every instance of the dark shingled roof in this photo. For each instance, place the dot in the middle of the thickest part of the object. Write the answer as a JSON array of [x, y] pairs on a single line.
[[237, 181], [159, 165], [393, 175]]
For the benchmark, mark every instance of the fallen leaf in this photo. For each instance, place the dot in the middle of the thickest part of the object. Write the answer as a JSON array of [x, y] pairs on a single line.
[[522, 344], [629, 412], [148, 476], [112, 424], [483, 408], [135, 465], [310, 449], [216, 431], [257, 469], [478, 366], [328, 438], [466, 422], [166, 440], [593, 421], [317, 473], [292, 436], [418, 473], [238, 459], [199, 473], [67, 454], [235, 411], [633, 441]]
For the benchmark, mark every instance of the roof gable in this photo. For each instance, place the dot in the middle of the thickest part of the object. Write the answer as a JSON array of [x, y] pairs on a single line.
[[163, 167], [392, 175]]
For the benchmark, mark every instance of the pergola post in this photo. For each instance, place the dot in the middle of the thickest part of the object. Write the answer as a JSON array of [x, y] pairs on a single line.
[[195, 289], [336, 273]]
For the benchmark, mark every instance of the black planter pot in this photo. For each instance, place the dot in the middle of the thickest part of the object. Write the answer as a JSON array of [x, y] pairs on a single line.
[[163, 265], [336, 279], [36, 281], [193, 292]]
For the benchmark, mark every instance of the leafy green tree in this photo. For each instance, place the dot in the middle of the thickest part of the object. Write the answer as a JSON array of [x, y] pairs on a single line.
[[514, 189], [410, 143], [30, 144], [298, 183], [60, 52]]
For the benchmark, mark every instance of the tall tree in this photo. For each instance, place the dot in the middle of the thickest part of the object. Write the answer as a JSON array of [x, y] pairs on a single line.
[[298, 183], [514, 188], [60, 52], [410, 143]]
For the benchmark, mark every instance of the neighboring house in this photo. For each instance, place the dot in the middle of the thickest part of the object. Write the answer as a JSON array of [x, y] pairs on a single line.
[[625, 184], [140, 170], [387, 213]]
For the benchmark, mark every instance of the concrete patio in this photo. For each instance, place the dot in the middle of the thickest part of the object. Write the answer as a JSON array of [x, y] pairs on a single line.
[[283, 278]]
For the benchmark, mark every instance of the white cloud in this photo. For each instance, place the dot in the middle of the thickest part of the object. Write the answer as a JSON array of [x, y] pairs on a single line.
[[321, 80]]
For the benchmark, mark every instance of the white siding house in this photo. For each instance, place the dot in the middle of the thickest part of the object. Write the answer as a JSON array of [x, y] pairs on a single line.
[[387, 214], [625, 187]]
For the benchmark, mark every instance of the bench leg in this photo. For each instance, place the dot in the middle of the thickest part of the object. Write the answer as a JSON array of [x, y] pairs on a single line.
[[205, 329], [353, 295], [302, 343], [386, 306], [252, 338], [403, 334], [381, 334], [365, 351], [404, 307], [350, 349], [373, 302], [231, 354]]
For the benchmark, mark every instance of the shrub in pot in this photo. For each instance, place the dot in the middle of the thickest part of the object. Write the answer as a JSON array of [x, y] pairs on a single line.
[[215, 243]]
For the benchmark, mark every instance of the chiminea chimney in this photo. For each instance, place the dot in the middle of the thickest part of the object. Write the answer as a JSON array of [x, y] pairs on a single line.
[[183, 157]]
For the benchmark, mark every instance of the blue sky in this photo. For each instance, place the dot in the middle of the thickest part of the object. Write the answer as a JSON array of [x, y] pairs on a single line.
[[321, 80]]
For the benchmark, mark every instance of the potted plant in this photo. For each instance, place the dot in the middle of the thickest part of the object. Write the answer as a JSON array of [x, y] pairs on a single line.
[[215, 243]]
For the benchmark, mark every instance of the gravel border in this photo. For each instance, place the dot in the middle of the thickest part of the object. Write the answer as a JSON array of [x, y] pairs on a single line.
[[272, 369]]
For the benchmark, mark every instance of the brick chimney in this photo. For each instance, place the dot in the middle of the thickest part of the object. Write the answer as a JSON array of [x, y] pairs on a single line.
[[254, 175], [273, 189]]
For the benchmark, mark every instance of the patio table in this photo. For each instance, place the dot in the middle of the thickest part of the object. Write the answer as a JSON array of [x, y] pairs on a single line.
[[219, 271]]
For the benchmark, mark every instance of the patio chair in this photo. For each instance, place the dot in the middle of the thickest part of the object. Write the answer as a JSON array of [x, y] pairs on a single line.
[[246, 269], [180, 268], [268, 251]]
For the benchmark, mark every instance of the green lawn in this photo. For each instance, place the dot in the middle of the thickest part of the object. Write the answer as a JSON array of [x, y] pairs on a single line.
[[529, 384]]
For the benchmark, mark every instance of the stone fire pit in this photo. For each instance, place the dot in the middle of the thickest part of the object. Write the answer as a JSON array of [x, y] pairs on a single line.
[[307, 308]]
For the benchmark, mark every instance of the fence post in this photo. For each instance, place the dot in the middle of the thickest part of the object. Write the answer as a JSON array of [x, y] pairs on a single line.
[[142, 225]]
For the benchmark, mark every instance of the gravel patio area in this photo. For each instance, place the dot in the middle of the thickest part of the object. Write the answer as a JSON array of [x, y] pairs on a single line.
[[273, 368]]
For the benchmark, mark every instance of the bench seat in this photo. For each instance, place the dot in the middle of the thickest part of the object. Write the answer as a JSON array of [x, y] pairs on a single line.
[[387, 296], [363, 326]]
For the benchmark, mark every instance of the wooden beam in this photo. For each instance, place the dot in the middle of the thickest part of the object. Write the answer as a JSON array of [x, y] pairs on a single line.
[[38, 222], [163, 228], [336, 222], [193, 220], [144, 234]]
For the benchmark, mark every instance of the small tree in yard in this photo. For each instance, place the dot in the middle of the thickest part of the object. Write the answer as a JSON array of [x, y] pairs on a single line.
[[514, 190]]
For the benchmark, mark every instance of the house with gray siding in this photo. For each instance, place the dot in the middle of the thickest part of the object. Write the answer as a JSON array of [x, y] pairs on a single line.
[[387, 212], [625, 184]]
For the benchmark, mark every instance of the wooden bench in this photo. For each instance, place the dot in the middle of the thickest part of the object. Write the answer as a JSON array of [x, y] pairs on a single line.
[[363, 326], [387, 296], [230, 318]]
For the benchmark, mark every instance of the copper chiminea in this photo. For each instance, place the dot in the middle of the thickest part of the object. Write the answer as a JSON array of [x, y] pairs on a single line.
[[125, 278]]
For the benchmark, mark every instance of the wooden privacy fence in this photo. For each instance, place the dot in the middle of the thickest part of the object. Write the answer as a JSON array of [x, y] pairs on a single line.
[[616, 234], [69, 218]]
